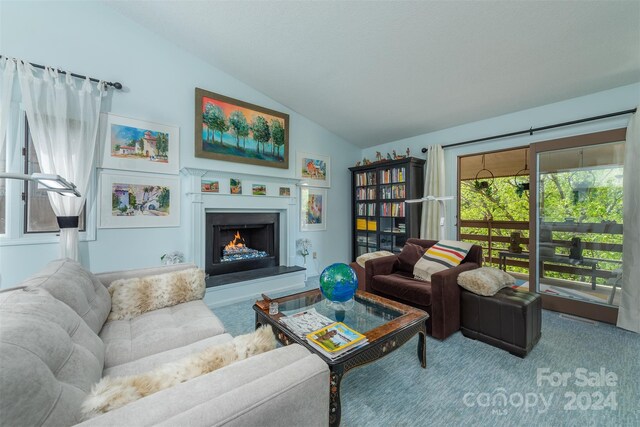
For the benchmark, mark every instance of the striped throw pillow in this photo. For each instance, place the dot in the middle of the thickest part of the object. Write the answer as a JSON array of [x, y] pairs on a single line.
[[441, 256]]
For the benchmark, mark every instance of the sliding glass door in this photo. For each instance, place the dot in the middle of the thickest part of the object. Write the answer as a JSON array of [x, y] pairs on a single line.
[[577, 219]]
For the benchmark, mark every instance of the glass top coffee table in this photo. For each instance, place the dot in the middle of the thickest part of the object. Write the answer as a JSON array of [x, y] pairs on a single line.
[[386, 324]]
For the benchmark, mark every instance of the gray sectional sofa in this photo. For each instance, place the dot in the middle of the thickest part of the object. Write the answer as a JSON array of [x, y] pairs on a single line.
[[55, 343]]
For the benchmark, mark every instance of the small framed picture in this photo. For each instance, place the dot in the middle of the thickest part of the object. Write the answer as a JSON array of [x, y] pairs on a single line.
[[131, 200], [138, 145], [210, 186], [313, 169], [258, 189], [313, 204], [235, 186], [285, 192]]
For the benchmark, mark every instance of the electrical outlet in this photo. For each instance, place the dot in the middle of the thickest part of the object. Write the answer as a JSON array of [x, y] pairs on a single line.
[[315, 255]]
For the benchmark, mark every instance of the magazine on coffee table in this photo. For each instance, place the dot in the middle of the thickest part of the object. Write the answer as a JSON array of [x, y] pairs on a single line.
[[336, 339], [305, 322]]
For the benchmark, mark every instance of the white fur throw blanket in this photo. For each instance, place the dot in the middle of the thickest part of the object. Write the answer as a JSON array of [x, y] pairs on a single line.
[[371, 255], [132, 297], [112, 393]]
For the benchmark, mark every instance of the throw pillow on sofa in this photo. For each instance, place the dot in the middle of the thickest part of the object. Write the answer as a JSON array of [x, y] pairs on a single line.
[[133, 297], [114, 392], [443, 255], [485, 281], [410, 254]]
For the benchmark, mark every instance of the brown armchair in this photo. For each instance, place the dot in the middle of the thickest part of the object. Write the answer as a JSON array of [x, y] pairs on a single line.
[[392, 277]]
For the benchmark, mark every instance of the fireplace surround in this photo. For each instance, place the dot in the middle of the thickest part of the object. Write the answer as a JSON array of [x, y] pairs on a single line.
[[241, 241]]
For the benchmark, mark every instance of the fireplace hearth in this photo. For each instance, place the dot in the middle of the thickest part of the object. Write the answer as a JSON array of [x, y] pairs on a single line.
[[238, 242]]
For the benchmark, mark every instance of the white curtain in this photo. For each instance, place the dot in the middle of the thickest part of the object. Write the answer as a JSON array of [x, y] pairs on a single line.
[[433, 186], [7, 73], [63, 120], [629, 311]]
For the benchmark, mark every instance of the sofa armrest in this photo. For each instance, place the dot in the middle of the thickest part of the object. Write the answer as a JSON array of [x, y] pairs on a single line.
[[111, 276], [378, 266], [286, 386], [445, 300]]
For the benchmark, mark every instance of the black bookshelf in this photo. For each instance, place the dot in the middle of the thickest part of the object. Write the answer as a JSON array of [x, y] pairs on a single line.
[[380, 218]]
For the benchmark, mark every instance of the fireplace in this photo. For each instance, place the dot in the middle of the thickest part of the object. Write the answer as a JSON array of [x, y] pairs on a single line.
[[241, 241]]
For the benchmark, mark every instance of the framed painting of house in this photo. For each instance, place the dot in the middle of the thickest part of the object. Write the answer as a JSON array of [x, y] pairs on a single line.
[[313, 169], [138, 145], [236, 131], [134, 200], [313, 209]]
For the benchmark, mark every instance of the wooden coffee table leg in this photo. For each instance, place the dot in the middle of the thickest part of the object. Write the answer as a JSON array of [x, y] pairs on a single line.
[[422, 346], [335, 377]]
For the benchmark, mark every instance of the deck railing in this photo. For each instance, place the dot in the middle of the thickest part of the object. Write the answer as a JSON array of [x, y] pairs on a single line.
[[494, 237]]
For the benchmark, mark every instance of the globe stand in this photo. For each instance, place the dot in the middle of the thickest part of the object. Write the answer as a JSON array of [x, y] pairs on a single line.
[[340, 306]]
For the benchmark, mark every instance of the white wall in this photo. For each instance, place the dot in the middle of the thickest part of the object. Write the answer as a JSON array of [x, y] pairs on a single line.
[[90, 38], [600, 103]]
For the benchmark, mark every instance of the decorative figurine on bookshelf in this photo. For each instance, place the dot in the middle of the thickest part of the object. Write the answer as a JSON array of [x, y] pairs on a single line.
[[397, 156], [379, 156], [389, 157]]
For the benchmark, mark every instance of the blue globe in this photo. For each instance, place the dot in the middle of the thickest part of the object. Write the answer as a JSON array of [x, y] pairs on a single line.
[[338, 282]]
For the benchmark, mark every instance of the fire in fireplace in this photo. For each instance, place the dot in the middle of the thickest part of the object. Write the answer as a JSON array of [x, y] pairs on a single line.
[[238, 241], [238, 250]]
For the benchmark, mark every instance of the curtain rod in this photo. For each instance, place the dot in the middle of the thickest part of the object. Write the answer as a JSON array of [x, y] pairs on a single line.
[[531, 130], [116, 85]]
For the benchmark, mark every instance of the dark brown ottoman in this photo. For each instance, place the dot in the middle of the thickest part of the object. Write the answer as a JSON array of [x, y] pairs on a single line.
[[510, 320]]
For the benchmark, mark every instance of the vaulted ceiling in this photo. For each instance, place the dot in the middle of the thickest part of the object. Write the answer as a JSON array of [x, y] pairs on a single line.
[[374, 72]]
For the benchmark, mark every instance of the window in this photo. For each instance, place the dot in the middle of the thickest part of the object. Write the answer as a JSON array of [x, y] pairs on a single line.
[[39, 215]]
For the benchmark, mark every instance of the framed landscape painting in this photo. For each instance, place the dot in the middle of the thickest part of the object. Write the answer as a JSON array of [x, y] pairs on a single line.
[[313, 169], [137, 200], [259, 189], [236, 131], [210, 186], [138, 145], [235, 186], [313, 204]]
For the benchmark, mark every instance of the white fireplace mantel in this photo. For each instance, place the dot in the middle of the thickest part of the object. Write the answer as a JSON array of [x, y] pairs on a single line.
[[200, 203]]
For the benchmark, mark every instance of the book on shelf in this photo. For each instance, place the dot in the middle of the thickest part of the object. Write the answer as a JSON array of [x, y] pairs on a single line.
[[336, 339], [305, 322]]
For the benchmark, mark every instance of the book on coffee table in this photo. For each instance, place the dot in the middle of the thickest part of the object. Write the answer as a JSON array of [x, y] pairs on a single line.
[[336, 339]]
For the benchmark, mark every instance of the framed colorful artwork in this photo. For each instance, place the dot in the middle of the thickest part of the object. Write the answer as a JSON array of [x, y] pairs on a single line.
[[236, 131], [258, 189], [313, 212], [284, 192], [142, 146], [235, 186], [313, 169], [129, 200], [210, 186]]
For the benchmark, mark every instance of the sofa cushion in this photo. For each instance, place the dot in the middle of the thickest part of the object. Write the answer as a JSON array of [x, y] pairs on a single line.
[[157, 331], [486, 281], [70, 283], [403, 287], [49, 359], [146, 364], [410, 254], [113, 393]]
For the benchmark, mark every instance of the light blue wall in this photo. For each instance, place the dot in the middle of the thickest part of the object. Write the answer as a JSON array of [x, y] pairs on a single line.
[[90, 38], [618, 99]]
